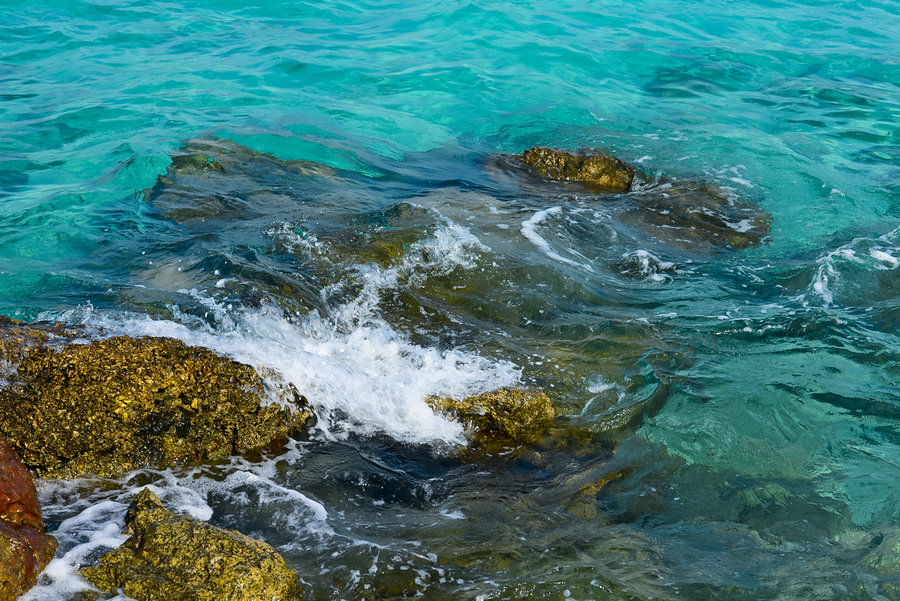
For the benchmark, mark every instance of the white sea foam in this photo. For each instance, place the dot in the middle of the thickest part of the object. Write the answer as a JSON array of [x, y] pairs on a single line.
[[891, 261], [356, 370], [95, 530], [649, 265]]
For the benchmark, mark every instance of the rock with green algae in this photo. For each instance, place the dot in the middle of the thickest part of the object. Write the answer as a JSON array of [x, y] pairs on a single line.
[[25, 549], [588, 166], [506, 416], [177, 558], [885, 562], [124, 403]]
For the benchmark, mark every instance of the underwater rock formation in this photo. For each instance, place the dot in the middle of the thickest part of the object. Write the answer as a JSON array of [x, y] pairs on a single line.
[[509, 415], [213, 179], [122, 403], [697, 215], [587, 166], [885, 562], [179, 558], [24, 548], [694, 215]]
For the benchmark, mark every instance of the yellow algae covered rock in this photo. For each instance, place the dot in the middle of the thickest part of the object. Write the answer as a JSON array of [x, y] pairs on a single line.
[[588, 166], [124, 403], [509, 415], [178, 558]]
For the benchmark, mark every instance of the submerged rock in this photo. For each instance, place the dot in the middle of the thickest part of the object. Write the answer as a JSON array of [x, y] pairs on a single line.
[[698, 215], [24, 548], [178, 558], [685, 214], [508, 416], [885, 562], [214, 179], [123, 403], [589, 166]]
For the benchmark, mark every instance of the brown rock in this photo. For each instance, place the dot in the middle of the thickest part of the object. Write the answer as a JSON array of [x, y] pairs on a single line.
[[588, 166], [24, 548], [508, 415]]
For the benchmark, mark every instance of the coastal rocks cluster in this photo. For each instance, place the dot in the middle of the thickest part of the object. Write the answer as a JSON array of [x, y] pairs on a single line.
[[72, 407], [693, 215], [76, 403]]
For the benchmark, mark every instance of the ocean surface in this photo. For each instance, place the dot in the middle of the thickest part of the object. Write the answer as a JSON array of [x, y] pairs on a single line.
[[737, 405]]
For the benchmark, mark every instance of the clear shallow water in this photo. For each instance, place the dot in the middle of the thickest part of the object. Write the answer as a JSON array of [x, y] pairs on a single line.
[[765, 465]]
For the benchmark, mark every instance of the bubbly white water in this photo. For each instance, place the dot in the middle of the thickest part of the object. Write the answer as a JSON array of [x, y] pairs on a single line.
[[358, 372]]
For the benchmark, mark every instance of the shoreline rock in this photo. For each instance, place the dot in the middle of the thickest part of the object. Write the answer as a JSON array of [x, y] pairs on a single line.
[[179, 558], [25, 550], [117, 404]]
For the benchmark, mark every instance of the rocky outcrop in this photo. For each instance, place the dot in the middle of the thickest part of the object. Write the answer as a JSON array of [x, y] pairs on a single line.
[[178, 558], [507, 416], [122, 403], [588, 166], [24, 548]]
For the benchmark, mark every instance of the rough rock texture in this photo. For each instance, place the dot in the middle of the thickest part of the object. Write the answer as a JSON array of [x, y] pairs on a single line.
[[588, 166], [177, 558], [123, 403], [24, 548], [508, 415]]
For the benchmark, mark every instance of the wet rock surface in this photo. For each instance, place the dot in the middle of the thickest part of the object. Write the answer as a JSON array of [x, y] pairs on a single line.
[[24, 548], [508, 416], [179, 558], [589, 166], [696, 215], [122, 403]]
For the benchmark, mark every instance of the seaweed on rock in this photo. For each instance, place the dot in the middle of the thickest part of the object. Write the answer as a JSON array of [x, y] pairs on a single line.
[[122, 403], [179, 558]]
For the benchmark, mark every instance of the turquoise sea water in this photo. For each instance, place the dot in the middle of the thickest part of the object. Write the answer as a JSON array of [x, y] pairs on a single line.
[[764, 461]]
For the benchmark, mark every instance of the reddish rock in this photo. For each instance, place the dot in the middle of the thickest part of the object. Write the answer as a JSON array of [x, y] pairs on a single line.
[[24, 548]]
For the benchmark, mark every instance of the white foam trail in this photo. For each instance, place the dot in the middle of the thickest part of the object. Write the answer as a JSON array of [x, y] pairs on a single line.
[[96, 529], [529, 230]]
